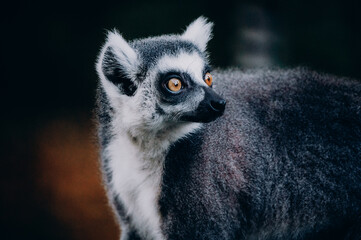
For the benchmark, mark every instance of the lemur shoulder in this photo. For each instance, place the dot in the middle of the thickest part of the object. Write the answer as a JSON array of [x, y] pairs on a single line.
[[274, 154]]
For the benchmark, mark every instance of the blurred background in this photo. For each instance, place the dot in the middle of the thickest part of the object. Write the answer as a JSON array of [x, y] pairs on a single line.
[[50, 183]]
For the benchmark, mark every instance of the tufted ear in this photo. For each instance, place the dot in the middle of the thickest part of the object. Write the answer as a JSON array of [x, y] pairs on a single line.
[[118, 63], [199, 32]]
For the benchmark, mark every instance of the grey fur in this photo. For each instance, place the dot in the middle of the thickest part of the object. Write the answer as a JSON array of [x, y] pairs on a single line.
[[283, 162], [151, 49]]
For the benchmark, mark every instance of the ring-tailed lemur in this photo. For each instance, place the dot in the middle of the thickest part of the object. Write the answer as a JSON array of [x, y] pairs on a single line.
[[283, 162]]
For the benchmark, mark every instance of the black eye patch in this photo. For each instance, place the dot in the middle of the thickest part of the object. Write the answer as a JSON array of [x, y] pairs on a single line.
[[169, 97], [170, 76]]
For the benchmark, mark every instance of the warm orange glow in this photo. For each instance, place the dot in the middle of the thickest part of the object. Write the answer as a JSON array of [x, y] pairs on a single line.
[[69, 180]]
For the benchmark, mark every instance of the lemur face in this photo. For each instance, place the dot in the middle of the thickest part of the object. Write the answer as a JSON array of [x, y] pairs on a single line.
[[184, 88], [161, 79]]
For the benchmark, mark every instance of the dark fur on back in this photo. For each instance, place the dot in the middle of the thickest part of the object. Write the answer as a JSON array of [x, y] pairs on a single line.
[[284, 162]]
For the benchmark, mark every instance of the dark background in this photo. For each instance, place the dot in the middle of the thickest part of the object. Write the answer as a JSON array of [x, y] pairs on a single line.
[[49, 182]]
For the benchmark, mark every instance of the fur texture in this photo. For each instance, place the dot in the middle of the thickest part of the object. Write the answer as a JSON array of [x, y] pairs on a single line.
[[283, 162]]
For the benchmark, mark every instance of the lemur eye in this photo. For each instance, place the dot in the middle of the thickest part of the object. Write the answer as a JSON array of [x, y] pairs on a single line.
[[208, 79], [174, 84]]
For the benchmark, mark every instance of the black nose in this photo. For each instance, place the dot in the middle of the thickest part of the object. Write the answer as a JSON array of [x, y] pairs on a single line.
[[218, 105]]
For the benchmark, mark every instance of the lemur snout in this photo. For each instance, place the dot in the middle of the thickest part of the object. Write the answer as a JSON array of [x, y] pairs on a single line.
[[218, 105], [208, 110], [211, 108]]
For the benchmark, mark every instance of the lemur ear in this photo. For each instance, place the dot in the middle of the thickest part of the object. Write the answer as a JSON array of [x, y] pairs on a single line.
[[199, 32], [119, 63]]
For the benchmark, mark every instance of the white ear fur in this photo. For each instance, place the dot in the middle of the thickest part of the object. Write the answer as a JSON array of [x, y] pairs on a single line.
[[126, 56], [199, 32]]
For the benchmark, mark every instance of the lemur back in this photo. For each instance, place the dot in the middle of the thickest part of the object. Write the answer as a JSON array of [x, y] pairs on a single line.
[[281, 162]]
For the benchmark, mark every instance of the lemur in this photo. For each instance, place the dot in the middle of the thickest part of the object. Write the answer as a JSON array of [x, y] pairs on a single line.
[[274, 154]]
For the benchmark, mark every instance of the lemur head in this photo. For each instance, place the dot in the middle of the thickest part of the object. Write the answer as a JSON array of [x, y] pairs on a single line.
[[161, 80]]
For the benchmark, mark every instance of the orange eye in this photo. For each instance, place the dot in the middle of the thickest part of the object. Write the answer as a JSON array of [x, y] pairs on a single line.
[[208, 79], [174, 85]]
